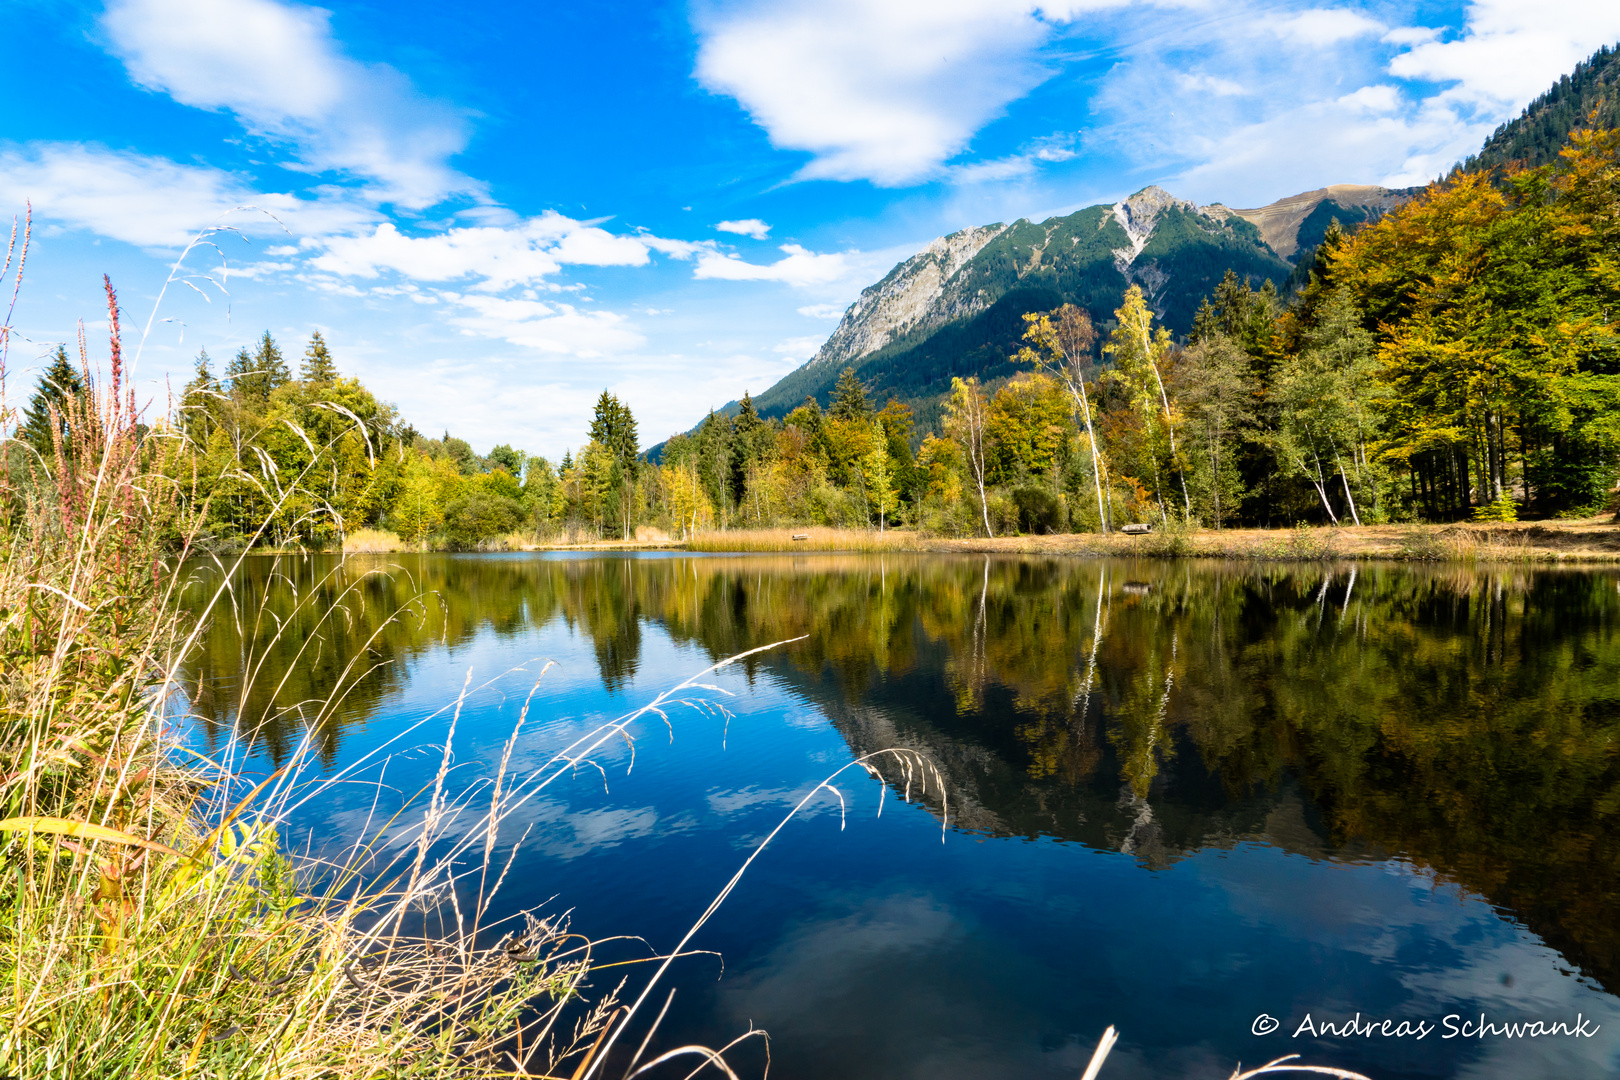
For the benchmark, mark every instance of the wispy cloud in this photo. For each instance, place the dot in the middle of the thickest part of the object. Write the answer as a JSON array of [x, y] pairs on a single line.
[[1324, 26], [800, 267], [153, 202], [277, 68], [547, 327], [748, 227]]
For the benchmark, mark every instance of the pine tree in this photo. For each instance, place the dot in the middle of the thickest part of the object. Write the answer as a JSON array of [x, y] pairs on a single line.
[[240, 375], [319, 368], [849, 398], [60, 382], [268, 360], [254, 376], [197, 401], [614, 429]]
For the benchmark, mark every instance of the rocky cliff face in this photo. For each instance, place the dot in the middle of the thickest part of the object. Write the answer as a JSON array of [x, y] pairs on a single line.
[[1138, 215], [905, 300]]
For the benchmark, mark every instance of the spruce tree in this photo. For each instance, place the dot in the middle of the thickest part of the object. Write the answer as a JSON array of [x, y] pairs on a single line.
[[319, 368], [59, 382], [849, 398], [197, 400], [268, 360], [244, 381]]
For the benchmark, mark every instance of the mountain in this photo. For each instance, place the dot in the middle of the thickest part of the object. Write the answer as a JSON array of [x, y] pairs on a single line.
[[956, 307], [1536, 136]]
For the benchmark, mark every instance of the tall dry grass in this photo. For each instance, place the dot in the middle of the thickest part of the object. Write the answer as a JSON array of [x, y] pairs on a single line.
[[154, 923]]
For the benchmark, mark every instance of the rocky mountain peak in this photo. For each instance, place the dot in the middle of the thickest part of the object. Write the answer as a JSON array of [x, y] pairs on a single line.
[[1138, 214]]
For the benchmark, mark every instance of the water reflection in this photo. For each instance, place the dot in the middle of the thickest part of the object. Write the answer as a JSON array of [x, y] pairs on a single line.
[[1467, 721]]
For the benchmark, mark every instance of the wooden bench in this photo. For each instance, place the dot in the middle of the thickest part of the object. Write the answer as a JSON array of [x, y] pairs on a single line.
[[1136, 528]]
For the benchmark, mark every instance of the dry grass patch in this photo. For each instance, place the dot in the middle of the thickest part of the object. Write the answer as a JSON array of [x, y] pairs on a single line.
[[815, 539]]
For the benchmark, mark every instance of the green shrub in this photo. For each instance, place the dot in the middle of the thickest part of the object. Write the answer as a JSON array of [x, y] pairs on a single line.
[[1503, 509], [1038, 510], [480, 515]]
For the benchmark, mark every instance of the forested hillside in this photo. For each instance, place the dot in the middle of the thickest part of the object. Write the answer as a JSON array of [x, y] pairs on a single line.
[[1537, 135], [1176, 251]]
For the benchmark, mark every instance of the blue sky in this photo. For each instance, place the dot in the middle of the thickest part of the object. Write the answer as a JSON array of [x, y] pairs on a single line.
[[493, 211]]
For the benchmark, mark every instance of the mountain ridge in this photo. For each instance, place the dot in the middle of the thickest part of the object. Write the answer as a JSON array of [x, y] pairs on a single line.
[[948, 310]]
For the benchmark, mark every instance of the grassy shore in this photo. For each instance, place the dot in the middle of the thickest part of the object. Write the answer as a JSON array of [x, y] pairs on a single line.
[[1594, 540]]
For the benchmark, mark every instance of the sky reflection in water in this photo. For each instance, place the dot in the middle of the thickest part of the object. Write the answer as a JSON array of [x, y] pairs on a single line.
[[1181, 795]]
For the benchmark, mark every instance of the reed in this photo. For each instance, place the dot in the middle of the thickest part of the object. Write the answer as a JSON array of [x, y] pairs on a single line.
[[155, 923], [374, 542]]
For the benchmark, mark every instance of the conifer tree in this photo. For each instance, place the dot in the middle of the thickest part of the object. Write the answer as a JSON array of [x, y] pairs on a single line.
[[849, 398], [59, 382], [614, 429], [319, 368], [239, 374], [198, 399], [268, 360]]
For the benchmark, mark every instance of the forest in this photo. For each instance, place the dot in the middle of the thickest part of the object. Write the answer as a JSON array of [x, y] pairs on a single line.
[[1454, 359]]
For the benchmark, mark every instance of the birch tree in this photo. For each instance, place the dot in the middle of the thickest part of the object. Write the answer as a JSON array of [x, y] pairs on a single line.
[[1061, 347], [965, 415]]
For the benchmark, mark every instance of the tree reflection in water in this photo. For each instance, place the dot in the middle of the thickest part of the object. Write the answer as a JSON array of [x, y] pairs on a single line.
[[1468, 720]]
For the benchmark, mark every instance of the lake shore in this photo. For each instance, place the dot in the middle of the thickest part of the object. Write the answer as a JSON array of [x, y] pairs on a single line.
[[1591, 540]]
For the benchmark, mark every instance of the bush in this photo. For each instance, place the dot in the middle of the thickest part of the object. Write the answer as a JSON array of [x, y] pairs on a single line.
[[834, 506], [480, 515], [1503, 509], [1039, 511], [1003, 512]]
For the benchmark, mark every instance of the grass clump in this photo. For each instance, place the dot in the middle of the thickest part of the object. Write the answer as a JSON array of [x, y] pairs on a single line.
[[152, 923]]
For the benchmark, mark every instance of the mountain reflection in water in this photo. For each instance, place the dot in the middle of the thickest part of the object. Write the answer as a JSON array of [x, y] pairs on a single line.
[[1465, 721]]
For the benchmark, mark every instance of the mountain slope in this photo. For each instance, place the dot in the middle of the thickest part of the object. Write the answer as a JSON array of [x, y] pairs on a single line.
[[1536, 136], [955, 308]]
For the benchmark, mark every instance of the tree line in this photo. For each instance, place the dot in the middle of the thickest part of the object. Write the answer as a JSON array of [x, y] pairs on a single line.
[[1455, 358]]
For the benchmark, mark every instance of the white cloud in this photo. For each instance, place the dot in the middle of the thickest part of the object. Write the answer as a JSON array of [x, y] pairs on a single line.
[[1324, 26], [823, 311], [154, 202], [799, 348], [550, 328], [1362, 137], [498, 258], [747, 227], [1210, 84], [1373, 99], [800, 268], [1411, 35], [1512, 51], [884, 92], [278, 69]]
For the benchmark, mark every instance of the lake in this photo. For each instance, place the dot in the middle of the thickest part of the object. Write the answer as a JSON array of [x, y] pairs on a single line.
[[1180, 797]]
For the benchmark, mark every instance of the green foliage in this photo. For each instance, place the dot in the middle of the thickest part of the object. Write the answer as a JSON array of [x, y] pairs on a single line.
[[1503, 509], [318, 369], [45, 416], [480, 513], [849, 398], [1537, 135]]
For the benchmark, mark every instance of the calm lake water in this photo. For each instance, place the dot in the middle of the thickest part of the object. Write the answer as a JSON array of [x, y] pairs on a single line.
[[1180, 795]]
